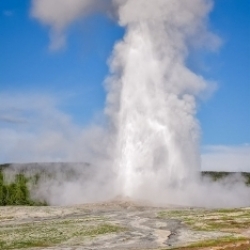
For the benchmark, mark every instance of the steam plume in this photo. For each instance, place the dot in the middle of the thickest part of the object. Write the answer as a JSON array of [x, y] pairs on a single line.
[[152, 94], [58, 14], [157, 133]]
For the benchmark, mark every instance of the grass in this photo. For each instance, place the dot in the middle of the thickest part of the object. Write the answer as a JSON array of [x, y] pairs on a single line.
[[173, 214], [53, 232], [101, 229], [223, 243], [225, 220], [218, 242], [222, 220], [28, 244]]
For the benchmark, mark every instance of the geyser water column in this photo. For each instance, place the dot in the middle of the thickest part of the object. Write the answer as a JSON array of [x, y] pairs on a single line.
[[152, 93]]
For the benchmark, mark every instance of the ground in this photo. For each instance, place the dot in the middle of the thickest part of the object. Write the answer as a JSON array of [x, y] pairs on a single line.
[[123, 225]]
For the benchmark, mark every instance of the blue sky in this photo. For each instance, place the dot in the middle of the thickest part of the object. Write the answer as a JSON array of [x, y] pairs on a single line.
[[225, 118], [74, 75]]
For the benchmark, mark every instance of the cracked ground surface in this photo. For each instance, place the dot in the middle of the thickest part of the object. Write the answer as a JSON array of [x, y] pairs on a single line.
[[123, 225]]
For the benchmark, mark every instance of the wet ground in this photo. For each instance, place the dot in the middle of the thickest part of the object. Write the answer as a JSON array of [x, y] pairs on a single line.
[[123, 225]]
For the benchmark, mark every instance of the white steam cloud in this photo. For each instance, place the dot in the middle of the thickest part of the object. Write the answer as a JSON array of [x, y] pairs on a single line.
[[157, 133], [41, 132], [59, 14], [153, 140], [226, 158]]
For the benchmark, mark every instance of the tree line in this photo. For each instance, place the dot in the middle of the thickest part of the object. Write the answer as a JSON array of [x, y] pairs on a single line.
[[16, 192]]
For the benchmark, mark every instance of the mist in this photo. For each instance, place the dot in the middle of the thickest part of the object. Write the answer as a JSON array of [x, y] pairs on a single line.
[[149, 148]]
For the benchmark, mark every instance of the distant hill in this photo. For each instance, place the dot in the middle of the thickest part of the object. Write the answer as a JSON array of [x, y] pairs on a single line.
[[222, 175], [17, 180]]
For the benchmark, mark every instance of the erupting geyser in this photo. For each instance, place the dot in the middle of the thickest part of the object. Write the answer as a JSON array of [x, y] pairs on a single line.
[[157, 132], [151, 100]]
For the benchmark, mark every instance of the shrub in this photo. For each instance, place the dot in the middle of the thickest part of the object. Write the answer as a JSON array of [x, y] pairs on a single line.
[[17, 192]]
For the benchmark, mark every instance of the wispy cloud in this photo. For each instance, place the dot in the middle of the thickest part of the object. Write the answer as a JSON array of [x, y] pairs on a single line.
[[8, 13], [226, 158], [33, 128], [11, 119]]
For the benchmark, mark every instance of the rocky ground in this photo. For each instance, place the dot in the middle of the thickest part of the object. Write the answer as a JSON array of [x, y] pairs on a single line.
[[123, 225]]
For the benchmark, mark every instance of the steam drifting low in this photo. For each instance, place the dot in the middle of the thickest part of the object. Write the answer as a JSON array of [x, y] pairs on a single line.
[[153, 135]]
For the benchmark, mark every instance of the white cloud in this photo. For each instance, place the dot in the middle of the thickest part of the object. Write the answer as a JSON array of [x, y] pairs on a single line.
[[226, 158], [59, 14], [34, 129]]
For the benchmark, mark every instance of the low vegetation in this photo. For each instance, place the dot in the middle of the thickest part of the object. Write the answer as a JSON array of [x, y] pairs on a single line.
[[224, 220], [53, 232], [121, 225], [216, 176], [223, 243], [16, 192], [232, 221]]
